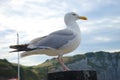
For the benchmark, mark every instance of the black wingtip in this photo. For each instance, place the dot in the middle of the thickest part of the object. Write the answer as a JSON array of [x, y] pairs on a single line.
[[22, 47], [12, 46], [18, 46]]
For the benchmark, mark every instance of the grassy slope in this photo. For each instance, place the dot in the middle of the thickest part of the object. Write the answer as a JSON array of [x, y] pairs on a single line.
[[38, 72]]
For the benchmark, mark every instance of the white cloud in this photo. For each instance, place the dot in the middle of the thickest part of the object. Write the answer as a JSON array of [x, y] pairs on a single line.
[[85, 6], [113, 50], [31, 60], [103, 24], [35, 18], [102, 39], [16, 3]]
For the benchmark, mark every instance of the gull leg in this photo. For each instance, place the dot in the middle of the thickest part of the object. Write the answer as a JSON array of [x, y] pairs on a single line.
[[62, 63]]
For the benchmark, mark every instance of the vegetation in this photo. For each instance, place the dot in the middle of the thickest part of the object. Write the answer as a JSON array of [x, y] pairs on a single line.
[[39, 72]]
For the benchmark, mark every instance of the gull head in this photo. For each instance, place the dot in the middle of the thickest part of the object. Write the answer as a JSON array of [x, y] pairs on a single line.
[[73, 16]]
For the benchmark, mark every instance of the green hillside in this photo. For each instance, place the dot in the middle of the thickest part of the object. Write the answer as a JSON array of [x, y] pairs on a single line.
[[9, 70]]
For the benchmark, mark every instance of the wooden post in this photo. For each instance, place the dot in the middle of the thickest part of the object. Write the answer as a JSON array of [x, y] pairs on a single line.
[[73, 75]]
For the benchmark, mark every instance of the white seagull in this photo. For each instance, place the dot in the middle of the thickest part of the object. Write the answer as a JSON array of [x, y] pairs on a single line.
[[57, 43]]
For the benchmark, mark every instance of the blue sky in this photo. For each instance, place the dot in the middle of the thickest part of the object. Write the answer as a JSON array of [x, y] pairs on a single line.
[[37, 18]]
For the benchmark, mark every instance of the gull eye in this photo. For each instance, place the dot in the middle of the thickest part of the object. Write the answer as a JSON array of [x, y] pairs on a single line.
[[73, 14]]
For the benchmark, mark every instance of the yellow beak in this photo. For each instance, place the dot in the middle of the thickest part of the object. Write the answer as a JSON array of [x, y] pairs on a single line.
[[83, 18]]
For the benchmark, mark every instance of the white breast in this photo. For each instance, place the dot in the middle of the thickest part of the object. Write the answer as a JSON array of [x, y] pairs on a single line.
[[71, 45]]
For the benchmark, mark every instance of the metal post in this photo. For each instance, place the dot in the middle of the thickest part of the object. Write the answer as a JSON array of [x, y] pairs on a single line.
[[18, 58]]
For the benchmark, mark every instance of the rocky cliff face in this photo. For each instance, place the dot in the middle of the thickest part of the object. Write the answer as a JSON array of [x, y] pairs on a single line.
[[106, 64]]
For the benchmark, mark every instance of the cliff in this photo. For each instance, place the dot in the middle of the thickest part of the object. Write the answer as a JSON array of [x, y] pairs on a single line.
[[106, 64]]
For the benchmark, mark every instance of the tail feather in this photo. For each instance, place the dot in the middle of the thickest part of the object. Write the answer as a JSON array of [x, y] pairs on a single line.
[[13, 51]]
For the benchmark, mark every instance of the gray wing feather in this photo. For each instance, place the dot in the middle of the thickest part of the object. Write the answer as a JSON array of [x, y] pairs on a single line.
[[54, 40]]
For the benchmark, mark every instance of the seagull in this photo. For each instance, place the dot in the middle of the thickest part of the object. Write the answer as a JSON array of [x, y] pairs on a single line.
[[56, 43]]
